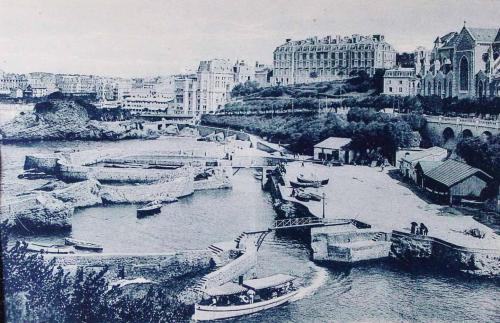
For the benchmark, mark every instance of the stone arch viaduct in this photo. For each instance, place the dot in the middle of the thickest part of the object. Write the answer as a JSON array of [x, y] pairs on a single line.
[[454, 127]]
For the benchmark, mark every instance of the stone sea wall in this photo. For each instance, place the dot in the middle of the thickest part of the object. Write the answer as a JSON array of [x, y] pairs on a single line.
[[159, 267], [428, 250]]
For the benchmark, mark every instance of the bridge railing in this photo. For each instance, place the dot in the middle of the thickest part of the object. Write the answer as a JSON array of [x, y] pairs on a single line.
[[476, 122], [307, 221]]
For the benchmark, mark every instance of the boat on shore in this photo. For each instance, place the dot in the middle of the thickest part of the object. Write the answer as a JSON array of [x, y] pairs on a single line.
[[301, 178], [83, 245], [295, 184], [52, 249], [149, 209], [251, 296]]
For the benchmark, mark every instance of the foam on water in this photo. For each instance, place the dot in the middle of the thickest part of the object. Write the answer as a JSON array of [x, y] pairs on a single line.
[[320, 278]]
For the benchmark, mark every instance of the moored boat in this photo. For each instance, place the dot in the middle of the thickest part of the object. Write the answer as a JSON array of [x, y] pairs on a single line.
[[252, 296], [82, 245], [149, 209], [54, 249]]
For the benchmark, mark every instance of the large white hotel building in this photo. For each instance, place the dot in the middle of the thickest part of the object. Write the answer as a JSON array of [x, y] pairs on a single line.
[[330, 58]]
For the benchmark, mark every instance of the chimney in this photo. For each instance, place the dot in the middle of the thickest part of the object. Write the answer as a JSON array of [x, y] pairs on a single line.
[[240, 280]]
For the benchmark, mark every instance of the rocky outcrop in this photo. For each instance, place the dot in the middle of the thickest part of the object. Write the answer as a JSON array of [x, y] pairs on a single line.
[[166, 192], [65, 119], [435, 252], [37, 212], [81, 194], [189, 132]]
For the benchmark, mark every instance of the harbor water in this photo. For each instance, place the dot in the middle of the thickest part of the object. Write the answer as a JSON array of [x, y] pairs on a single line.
[[369, 292]]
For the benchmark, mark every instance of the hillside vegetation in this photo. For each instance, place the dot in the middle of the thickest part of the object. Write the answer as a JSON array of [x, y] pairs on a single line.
[[373, 134]]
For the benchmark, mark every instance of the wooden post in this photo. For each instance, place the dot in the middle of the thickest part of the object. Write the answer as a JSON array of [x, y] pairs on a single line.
[[323, 205]]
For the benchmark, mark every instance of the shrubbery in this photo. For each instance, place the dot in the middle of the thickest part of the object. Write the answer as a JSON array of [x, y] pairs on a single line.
[[483, 153], [39, 291], [368, 129]]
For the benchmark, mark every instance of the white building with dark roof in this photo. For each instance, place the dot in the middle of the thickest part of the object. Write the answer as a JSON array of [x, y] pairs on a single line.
[[330, 58]]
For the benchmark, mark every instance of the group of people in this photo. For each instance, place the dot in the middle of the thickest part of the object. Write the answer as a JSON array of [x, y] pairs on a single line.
[[416, 229]]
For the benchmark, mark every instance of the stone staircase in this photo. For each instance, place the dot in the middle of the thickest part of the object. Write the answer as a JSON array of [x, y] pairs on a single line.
[[238, 239], [378, 236]]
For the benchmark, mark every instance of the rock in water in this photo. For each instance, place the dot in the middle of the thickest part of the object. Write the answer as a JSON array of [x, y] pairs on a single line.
[[81, 194], [37, 212]]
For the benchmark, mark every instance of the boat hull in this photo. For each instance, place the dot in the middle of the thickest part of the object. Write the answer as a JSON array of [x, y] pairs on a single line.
[[49, 249], [308, 184], [83, 245], [207, 313], [308, 181], [148, 211]]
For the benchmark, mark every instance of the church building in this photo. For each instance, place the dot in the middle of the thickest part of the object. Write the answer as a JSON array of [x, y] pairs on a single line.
[[464, 65]]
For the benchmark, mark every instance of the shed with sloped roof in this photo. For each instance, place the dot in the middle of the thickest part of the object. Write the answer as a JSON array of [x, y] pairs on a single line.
[[454, 180]]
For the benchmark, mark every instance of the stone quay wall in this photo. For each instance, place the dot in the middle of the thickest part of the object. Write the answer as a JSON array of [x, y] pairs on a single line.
[[206, 130], [154, 266], [346, 243], [415, 248]]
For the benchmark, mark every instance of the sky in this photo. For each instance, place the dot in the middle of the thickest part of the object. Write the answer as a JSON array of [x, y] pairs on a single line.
[[143, 37]]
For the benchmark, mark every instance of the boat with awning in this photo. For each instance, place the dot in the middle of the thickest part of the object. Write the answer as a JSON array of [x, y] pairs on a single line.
[[251, 296]]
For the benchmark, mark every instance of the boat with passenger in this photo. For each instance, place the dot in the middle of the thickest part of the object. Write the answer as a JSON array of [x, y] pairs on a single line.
[[247, 297], [149, 209], [54, 249]]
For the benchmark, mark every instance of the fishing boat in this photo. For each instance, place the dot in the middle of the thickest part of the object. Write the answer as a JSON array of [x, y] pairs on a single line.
[[55, 249], [301, 178], [304, 184], [303, 196], [315, 197], [82, 245], [251, 296], [149, 209]]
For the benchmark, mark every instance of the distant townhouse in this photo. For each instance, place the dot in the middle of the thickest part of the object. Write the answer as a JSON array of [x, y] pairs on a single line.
[[464, 64], [215, 82], [75, 84], [330, 58], [186, 94], [11, 81], [401, 81], [263, 74], [139, 103]]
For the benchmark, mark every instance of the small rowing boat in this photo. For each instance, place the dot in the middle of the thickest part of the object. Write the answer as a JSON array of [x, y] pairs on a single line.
[[149, 209], [311, 179], [301, 184], [55, 249], [82, 245]]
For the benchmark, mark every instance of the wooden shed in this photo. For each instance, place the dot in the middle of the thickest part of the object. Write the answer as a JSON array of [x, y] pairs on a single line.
[[454, 180]]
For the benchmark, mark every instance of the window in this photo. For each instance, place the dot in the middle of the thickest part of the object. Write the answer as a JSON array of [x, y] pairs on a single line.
[[390, 89], [464, 74], [400, 82]]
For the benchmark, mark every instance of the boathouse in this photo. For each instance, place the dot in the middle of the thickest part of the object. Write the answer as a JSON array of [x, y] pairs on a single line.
[[423, 168], [410, 159], [332, 149], [453, 181]]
